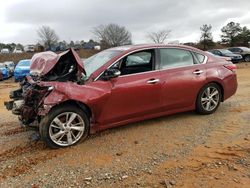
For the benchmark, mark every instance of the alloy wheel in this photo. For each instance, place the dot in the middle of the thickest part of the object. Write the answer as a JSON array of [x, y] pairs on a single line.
[[66, 128], [210, 98]]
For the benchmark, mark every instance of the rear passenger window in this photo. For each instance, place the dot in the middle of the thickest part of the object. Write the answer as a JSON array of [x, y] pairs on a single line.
[[199, 57], [172, 58]]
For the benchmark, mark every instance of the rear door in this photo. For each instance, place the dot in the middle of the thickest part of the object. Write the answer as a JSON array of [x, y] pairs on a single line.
[[183, 74]]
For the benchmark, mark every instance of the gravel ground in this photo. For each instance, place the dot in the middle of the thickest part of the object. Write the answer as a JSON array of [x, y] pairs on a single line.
[[182, 150]]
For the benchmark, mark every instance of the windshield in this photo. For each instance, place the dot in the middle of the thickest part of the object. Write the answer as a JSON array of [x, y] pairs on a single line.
[[96, 61], [225, 51], [24, 63]]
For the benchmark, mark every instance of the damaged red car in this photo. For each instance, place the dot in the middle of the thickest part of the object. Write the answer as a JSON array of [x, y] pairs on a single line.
[[69, 99]]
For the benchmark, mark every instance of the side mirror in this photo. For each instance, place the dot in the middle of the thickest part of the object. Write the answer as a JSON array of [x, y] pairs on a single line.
[[111, 73]]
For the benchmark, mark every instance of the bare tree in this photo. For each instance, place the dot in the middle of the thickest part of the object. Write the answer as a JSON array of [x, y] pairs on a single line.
[[112, 35], [159, 36], [47, 36]]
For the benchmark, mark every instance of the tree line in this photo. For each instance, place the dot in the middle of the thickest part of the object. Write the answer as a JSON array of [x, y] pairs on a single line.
[[232, 35], [112, 35]]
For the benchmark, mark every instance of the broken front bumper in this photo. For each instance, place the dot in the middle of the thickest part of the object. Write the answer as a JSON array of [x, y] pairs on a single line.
[[14, 106], [26, 101]]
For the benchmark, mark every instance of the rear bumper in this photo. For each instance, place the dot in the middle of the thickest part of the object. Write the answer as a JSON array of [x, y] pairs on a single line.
[[230, 86], [19, 76]]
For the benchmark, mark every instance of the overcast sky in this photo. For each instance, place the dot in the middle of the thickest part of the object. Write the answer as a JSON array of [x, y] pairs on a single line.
[[74, 19]]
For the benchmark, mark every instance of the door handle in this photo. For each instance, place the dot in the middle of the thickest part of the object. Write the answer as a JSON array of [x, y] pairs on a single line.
[[198, 72], [153, 81]]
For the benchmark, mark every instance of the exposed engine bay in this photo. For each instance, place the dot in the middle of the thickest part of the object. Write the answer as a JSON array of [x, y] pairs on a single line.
[[49, 66]]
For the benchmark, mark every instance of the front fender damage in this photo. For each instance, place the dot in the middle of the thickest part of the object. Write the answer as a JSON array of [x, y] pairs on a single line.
[[53, 99], [36, 99], [93, 97]]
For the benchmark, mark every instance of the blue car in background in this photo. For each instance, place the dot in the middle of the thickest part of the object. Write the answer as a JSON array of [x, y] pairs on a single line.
[[22, 69], [4, 71]]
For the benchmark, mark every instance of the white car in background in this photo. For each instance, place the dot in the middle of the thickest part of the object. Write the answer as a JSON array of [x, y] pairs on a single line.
[[29, 48], [18, 51], [5, 51]]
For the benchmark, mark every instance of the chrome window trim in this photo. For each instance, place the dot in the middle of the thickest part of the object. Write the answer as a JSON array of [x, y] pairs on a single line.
[[160, 47]]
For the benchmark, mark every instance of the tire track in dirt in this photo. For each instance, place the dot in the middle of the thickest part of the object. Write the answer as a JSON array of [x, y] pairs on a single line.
[[13, 131], [19, 150], [9, 124], [25, 164], [25, 157]]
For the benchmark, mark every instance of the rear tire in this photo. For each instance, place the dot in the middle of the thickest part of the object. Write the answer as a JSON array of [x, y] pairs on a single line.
[[208, 99], [64, 126]]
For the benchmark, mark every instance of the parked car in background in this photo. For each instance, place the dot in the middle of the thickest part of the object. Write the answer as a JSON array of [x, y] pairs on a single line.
[[18, 50], [225, 58], [243, 51], [29, 48], [22, 69], [11, 66], [70, 99], [5, 51], [4, 70], [235, 58]]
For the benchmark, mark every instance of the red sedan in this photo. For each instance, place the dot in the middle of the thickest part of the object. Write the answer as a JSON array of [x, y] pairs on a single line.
[[70, 99]]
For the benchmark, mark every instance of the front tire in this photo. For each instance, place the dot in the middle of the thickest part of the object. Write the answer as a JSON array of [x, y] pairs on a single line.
[[208, 99], [64, 126]]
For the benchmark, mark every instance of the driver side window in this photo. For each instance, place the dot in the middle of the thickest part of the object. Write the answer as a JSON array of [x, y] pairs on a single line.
[[136, 62]]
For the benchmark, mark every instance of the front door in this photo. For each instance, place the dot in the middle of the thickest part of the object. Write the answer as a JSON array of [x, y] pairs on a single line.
[[136, 92]]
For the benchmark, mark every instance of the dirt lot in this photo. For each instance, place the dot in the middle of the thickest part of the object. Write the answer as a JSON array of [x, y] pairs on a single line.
[[183, 150]]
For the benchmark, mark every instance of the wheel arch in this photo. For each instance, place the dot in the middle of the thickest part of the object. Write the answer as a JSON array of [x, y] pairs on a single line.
[[245, 55], [221, 89], [217, 83], [79, 104]]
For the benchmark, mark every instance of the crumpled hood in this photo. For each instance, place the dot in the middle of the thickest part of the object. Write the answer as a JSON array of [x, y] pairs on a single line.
[[42, 63]]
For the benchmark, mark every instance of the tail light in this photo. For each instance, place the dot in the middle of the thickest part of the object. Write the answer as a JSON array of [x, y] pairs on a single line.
[[231, 67]]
